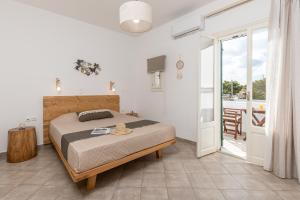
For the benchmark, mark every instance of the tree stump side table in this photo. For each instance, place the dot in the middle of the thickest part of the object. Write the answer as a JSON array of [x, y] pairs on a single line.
[[22, 144]]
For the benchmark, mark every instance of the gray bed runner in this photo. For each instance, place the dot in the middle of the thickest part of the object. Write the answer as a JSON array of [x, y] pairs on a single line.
[[72, 137]]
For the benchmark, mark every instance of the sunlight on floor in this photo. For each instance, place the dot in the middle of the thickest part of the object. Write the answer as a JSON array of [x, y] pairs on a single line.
[[234, 147]]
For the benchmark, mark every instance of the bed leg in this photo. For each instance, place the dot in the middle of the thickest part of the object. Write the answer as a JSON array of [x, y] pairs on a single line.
[[91, 183], [158, 154]]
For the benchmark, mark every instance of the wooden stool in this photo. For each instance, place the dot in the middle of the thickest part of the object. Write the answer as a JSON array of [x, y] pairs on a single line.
[[21, 144]]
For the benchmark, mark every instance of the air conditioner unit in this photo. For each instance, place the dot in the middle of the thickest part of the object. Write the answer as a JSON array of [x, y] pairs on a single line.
[[188, 26]]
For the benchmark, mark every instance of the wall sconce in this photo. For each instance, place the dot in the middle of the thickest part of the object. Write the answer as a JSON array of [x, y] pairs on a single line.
[[111, 87], [58, 85]]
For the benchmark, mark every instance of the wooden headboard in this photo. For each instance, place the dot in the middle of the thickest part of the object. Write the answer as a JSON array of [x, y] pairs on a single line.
[[54, 106]]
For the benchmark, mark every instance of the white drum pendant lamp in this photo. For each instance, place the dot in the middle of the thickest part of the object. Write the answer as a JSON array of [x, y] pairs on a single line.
[[135, 16]]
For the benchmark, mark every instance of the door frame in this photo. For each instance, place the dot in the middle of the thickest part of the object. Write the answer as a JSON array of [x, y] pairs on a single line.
[[248, 30]]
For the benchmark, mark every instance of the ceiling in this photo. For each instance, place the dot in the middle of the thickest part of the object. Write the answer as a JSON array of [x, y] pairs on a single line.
[[105, 13]]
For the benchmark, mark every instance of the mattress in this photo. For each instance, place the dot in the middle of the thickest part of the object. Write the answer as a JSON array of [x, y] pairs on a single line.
[[92, 152]]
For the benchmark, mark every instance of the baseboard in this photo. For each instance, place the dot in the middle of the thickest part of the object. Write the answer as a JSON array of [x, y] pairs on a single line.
[[3, 155], [256, 160], [185, 140]]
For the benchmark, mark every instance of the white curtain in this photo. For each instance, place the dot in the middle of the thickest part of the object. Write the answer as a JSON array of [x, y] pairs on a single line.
[[283, 97]]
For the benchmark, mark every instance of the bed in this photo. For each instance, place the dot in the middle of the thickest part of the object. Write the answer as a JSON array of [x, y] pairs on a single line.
[[86, 157]]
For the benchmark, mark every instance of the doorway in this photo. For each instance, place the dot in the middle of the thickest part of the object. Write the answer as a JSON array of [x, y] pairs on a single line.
[[240, 60], [234, 90], [243, 66]]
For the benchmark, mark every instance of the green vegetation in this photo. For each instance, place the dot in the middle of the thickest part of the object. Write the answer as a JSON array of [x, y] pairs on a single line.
[[259, 89], [235, 88], [228, 86]]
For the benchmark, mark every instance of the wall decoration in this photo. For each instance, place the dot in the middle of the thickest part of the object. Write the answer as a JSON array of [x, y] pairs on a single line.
[[58, 85], [87, 68], [111, 87], [179, 66]]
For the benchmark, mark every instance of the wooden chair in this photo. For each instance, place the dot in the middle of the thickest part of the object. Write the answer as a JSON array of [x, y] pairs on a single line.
[[232, 121]]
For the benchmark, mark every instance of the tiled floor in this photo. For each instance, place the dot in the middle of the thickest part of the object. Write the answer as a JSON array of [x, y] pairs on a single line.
[[236, 147], [179, 175]]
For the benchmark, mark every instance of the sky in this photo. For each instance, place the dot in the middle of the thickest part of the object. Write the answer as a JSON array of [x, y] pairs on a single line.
[[235, 57]]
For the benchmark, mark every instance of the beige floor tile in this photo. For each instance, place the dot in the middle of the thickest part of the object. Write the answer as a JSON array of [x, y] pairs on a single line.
[[39, 178], [193, 166], [263, 195], [5, 189], [127, 194], [130, 182], [235, 194], [181, 194], [250, 195], [208, 159], [289, 195], [14, 177], [236, 168], [253, 169], [225, 182], [201, 181], [154, 179], [71, 198], [100, 193], [215, 168], [177, 180], [276, 183], [208, 194], [154, 193], [36, 164], [59, 180], [154, 166], [71, 191], [251, 182], [21, 192], [5, 166], [46, 193], [291, 184], [223, 158], [173, 166]]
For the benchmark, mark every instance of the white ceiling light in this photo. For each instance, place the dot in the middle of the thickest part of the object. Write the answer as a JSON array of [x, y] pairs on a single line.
[[135, 16]]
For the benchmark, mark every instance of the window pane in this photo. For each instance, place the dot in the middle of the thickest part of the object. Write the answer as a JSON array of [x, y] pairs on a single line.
[[156, 80], [207, 84], [207, 106], [207, 67], [234, 71], [259, 61]]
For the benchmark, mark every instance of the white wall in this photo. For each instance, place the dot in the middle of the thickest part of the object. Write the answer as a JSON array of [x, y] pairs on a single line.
[[37, 46], [178, 103]]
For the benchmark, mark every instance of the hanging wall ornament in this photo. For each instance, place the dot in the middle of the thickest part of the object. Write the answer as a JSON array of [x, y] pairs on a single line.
[[179, 66], [87, 68]]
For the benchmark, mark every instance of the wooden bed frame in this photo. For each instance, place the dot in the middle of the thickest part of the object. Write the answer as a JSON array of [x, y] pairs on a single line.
[[54, 106]]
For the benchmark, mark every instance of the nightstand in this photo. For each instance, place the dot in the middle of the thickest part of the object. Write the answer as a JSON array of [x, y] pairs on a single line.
[[22, 144], [132, 113]]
